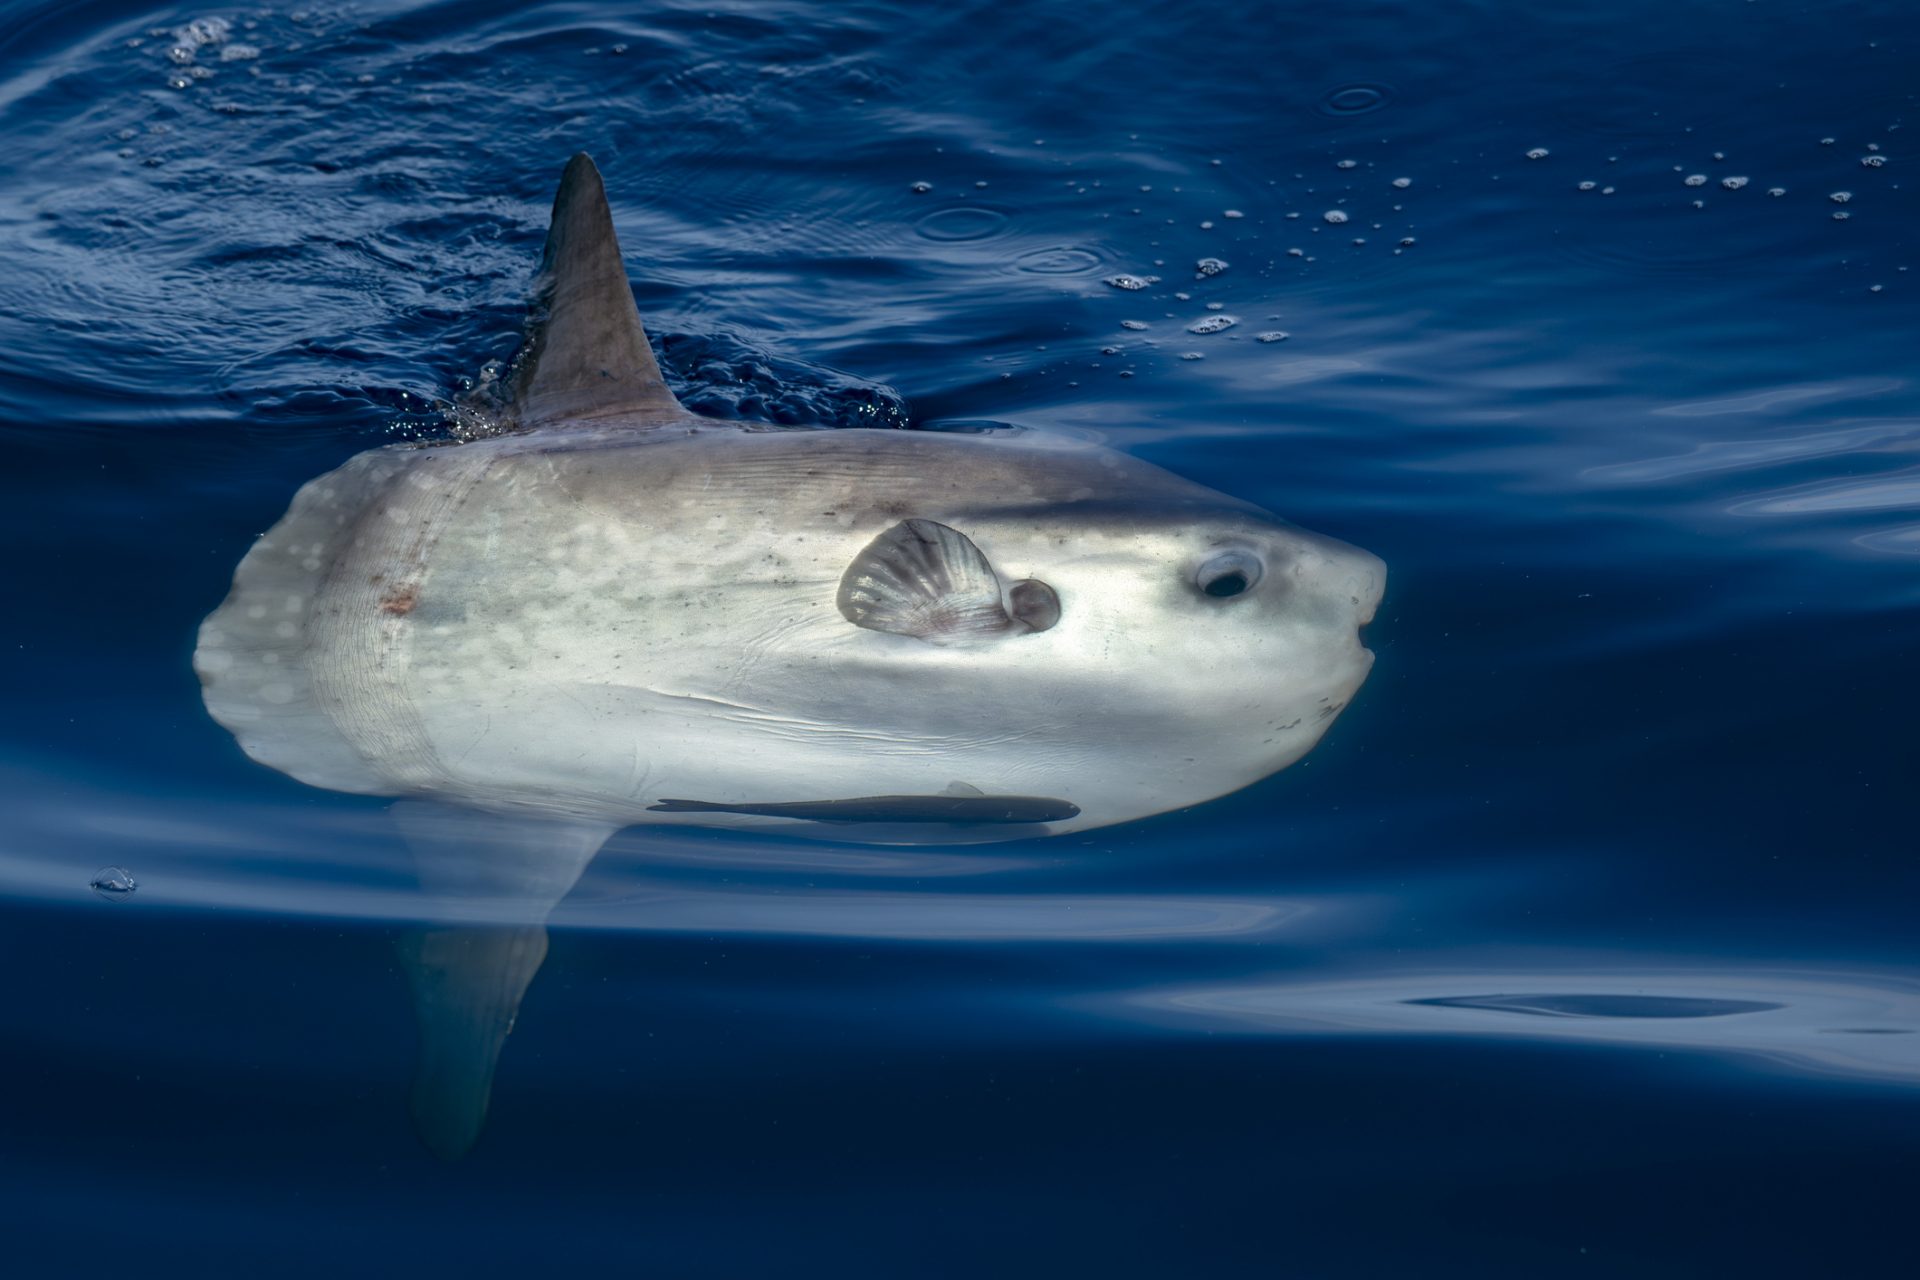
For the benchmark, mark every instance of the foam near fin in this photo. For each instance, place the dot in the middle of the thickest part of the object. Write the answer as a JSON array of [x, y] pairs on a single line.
[[505, 874], [587, 354]]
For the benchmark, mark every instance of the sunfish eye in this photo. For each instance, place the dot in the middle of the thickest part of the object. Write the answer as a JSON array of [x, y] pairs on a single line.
[[1229, 573]]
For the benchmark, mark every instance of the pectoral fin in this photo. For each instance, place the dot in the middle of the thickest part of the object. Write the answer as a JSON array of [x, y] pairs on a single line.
[[923, 579]]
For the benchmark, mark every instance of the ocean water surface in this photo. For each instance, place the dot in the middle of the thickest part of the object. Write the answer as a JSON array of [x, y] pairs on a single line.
[[1585, 942]]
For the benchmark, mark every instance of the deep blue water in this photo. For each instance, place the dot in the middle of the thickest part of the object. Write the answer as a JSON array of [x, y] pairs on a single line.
[[1585, 943]]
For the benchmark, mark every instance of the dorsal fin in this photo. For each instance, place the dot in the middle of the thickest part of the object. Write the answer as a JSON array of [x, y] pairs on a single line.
[[586, 353]]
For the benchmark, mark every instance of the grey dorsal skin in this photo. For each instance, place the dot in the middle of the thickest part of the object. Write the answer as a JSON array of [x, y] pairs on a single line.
[[540, 637]]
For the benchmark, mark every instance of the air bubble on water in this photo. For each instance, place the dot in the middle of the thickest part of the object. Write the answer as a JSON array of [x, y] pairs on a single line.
[[1335, 216], [1696, 179], [1538, 153], [1403, 183], [1206, 226], [1874, 146], [179, 82], [1699, 204], [1875, 288], [1841, 215], [1132, 283], [115, 884], [1208, 267], [200, 73], [1271, 335], [1826, 142], [1841, 197], [1109, 351], [180, 55], [1183, 297], [1347, 164], [197, 34], [1719, 155], [1232, 213], [1359, 240], [1296, 253], [1588, 186], [1776, 191], [1212, 324], [1133, 324], [1406, 242], [1733, 184], [1293, 215], [1216, 306], [1873, 162], [1191, 355], [1606, 191], [921, 188], [239, 53]]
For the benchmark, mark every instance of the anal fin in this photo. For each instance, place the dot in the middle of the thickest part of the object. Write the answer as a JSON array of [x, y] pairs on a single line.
[[467, 986], [490, 882]]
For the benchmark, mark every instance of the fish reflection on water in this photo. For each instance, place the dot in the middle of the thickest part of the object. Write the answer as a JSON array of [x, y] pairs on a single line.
[[608, 612]]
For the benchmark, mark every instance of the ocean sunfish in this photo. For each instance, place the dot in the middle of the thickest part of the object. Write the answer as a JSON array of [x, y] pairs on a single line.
[[620, 613]]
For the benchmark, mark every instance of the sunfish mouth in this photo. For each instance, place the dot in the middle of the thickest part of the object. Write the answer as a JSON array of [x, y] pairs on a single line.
[[1368, 585]]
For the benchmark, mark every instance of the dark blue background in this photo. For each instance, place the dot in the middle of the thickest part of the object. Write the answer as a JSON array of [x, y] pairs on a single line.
[[1642, 719]]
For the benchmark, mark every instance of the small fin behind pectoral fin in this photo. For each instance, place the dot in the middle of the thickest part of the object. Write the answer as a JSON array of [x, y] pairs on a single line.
[[924, 579], [586, 355]]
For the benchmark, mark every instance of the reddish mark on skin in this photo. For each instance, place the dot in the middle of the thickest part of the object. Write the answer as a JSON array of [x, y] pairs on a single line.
[[400, 601]]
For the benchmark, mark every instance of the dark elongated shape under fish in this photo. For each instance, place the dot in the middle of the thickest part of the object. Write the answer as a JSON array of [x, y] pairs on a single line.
[[538, 636], [946, 808]]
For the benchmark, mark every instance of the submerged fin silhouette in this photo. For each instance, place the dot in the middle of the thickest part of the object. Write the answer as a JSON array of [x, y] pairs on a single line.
[[467, 984], [586, 355], [492, 881]]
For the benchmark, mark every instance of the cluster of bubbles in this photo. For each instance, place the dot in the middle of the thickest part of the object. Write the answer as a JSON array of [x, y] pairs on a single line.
[[1873, 159], [194, 41], [1208, 268]]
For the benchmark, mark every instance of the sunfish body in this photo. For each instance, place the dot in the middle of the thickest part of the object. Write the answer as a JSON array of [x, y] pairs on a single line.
[[623, 613]]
